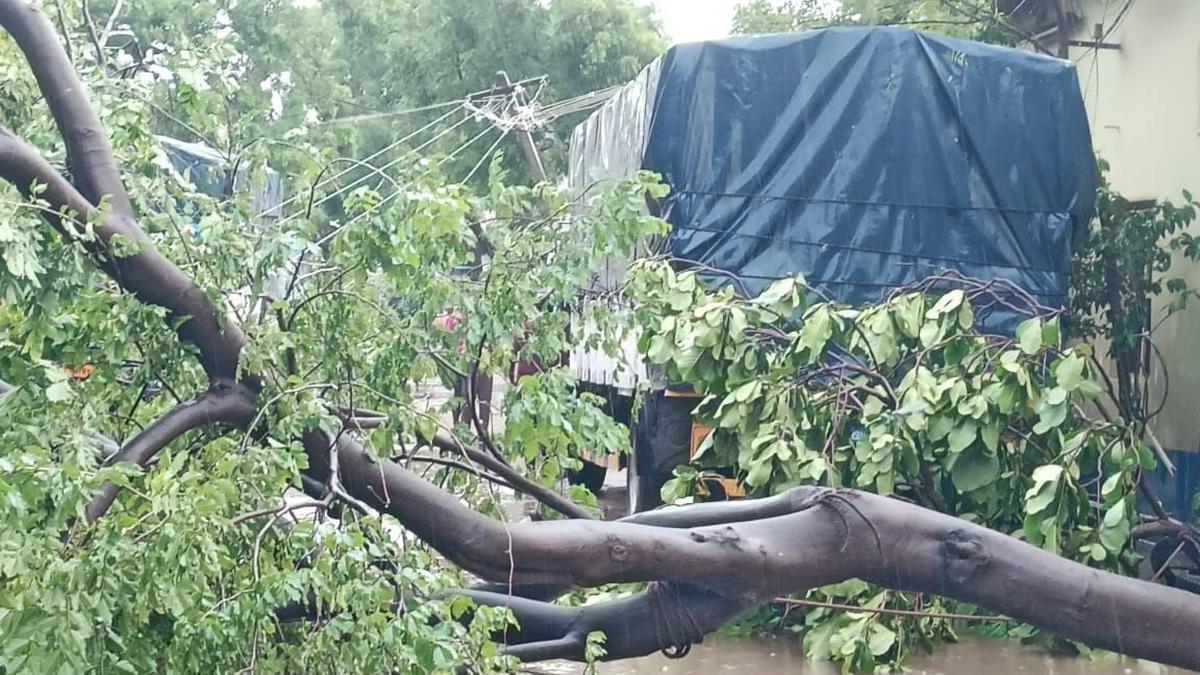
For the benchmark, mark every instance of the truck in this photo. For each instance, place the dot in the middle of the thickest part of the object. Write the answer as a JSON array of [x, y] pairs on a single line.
[[863, 158]]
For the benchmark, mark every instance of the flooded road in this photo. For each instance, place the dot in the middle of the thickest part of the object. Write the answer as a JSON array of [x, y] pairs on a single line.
[[765, 656]]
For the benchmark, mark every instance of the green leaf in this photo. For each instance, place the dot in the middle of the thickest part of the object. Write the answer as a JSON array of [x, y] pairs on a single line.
[[1115, 528], [881, 640], [817, 329], [776, 292], [1037, 499], [1047, 473], [1069, 372], [460, 605], [962, 435], [760, 473], [908, 312], [1089, 389], [946, 304], [1050, 415], [974, 469], [940, 426], [990, 433], [594, 646], [59, 391], [931, 332], [966, 316], [686, 359], [1052, 333], [660, 349], [1115, 515], [737, 323], [1045, 488], [1029, 336]]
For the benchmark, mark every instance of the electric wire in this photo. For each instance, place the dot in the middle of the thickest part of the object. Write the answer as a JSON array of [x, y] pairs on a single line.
[[365, 160], [355, 183], [396, 192]]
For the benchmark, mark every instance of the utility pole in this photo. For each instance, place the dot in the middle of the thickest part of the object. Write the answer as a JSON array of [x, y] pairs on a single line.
[[524, 139], [1064, 35], [477, 388]]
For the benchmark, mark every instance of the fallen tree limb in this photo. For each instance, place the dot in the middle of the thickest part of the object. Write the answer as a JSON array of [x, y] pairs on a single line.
[[88, 150], [808, 537], [146, 273], [233, 406]]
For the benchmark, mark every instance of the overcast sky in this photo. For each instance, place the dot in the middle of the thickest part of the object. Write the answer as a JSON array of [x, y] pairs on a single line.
[[688, 20]]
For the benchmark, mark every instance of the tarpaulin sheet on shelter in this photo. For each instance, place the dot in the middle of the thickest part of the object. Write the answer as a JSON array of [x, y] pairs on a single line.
[[863, 158], [209, 171]]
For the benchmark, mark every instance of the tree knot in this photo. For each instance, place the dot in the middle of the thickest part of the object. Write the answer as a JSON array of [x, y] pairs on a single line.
[[617, 550], [963, 554], [726, 536]]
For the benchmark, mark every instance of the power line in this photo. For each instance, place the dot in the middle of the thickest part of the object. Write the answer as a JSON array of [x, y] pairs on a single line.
[[499, 139], [540, 115], [351, 119], [365, 160], [486, 111], [396, 192], [528, 114], [592, 99], [340, 191]]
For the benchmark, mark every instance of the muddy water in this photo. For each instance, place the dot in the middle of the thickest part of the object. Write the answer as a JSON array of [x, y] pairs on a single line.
[[972, 656]]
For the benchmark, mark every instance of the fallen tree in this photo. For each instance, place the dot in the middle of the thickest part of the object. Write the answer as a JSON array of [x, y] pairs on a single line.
[[706, 563]]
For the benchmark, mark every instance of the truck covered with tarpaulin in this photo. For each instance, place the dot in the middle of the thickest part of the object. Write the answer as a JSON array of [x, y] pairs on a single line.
[[865, 159]]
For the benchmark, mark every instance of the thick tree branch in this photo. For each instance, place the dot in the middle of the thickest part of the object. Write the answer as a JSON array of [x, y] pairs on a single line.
[[146, 273], [233, 406], [88, 150], [23, 166], [709, 562], [822, 537], [664, 616]]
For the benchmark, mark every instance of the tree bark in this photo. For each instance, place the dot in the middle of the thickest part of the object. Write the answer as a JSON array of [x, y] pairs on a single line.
[[748, 552]]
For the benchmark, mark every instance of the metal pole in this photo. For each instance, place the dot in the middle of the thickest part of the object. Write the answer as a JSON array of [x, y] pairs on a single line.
[[524, 139]]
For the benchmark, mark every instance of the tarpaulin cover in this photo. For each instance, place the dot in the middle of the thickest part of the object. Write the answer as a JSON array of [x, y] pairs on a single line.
[[863, 158], [208, 170]]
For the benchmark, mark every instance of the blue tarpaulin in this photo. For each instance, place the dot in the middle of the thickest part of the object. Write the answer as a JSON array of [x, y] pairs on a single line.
[[863, 158]]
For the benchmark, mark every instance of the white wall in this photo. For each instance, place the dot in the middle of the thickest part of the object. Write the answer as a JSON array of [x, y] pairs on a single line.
[[1144, 107]]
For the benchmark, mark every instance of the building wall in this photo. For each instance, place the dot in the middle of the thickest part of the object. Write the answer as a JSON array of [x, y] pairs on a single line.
[[1143, 101]]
